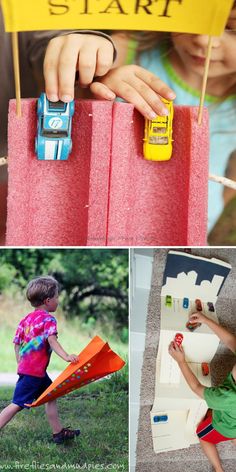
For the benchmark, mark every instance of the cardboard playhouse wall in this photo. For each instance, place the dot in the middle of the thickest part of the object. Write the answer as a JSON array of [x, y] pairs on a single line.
[[107, 193], [95, 361], [176, 409]]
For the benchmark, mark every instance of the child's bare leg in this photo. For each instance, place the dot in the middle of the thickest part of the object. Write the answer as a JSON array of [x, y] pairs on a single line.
[[7, 414], [53, 418], [211, 452]]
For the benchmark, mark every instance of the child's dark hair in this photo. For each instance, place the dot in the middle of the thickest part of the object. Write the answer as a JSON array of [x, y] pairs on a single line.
[[41, 288]]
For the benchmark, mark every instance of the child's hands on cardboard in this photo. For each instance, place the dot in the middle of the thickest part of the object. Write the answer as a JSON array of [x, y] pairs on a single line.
[[138, 86], [88, 54], [72, 358], [177, 352], [198, 317]]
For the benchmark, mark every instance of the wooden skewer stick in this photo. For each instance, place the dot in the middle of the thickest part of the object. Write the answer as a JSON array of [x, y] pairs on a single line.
[[204, 82], [223, 180], [15, 51]]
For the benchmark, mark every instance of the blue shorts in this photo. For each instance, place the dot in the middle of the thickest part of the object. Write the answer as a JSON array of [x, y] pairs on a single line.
[[29, 388]]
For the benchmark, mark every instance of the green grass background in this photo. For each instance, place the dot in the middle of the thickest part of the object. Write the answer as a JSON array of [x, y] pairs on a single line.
[[71, 334]]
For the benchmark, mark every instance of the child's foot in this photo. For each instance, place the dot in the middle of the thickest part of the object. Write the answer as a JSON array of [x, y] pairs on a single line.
[[65, 434]]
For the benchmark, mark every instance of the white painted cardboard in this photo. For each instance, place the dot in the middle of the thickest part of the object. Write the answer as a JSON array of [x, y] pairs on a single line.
[[173, 396]]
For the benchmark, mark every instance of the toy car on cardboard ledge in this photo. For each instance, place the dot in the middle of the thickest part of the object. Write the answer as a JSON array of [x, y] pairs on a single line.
[[160, 419], [198, 304], [210, 306], [53, 140], [158, 140], [185, 302], [168, 300], [205, 368]]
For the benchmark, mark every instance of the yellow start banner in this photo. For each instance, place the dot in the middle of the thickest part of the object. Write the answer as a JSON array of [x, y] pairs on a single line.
[[183, 16]]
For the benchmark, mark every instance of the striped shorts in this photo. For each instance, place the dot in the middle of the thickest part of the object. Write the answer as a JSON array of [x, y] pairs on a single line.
[[207, 432]]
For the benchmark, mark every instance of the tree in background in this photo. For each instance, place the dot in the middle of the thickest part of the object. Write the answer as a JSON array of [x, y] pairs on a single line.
[[94, 282]]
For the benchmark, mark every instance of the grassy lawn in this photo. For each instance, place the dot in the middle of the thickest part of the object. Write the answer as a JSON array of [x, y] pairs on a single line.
[[99, 410]]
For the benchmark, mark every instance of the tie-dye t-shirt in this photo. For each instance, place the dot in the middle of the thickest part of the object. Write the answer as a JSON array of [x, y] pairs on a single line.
[[32, 336]]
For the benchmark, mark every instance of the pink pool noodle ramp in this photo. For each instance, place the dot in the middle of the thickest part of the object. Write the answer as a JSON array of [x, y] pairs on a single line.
[[3, 211], [158, 203], [106, 193], [59, 203]]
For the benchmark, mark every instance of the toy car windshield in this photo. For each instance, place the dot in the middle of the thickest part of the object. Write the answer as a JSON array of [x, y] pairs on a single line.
[[162, 129], [158, 140], [54, 133], [60, 106]]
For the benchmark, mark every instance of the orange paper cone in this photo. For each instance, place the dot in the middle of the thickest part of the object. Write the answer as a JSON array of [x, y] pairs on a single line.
[[95, 361]]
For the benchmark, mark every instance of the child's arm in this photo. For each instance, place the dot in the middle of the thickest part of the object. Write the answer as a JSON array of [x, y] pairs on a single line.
[[138, 86], [225, 336], [58, 349], [89, 54], [17, 352], [177, 353]]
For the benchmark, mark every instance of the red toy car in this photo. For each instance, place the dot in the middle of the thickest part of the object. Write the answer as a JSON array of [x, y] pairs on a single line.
[[178, 339], [198, 304], [205, 368], [192, 326]]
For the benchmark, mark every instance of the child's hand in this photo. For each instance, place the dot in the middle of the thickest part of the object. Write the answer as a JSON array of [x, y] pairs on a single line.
[[72, 358], [176, 352], [198, 317], [88, 54], [138, 86]]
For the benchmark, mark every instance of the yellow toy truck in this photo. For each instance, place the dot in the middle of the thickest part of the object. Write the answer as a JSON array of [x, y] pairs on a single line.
[[158, 140]]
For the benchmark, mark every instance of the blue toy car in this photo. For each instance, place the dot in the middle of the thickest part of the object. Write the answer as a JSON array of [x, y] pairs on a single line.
[[53, 140], [185, 302], [160, 418]]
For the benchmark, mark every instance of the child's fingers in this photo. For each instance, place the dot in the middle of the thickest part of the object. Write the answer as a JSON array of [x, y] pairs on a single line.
[[132, 92], [50, 68], [131, 95], [101, 91], [67, 69], [155, 83], [87, 64], [171, 347], [104, 59], [150, 97]]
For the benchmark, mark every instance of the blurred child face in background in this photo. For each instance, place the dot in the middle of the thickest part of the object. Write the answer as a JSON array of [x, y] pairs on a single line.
[[190, 51]]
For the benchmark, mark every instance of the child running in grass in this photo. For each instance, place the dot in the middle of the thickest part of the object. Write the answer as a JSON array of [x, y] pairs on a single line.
[[220, 422], [35, 338], [151, 65]]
